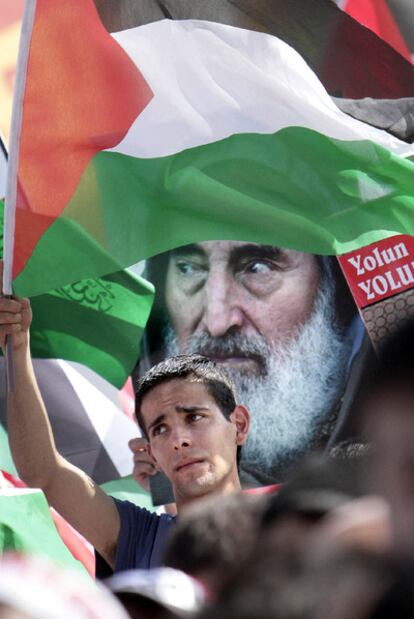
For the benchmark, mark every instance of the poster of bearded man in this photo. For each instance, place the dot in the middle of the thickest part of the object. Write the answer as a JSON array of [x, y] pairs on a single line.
[[283, 324]]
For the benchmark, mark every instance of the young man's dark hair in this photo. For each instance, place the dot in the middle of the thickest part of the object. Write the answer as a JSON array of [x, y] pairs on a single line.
[[197, 369]]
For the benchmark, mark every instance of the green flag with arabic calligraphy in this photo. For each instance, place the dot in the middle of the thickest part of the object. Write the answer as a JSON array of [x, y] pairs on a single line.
[[96, 321]]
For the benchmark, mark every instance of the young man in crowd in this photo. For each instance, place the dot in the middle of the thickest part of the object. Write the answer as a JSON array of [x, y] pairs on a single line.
[[187, 409]]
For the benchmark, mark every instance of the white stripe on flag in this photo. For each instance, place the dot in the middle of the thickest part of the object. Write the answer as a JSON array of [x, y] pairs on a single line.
[[211, 81]]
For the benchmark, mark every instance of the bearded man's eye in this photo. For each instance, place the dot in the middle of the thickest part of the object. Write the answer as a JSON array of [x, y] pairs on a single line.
[[260, 267]]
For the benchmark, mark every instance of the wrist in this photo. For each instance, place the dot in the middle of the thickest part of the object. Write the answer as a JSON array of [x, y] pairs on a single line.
[[20, 343]]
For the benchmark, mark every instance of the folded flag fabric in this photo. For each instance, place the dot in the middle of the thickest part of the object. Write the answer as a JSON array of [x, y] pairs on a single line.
[[27, 526], [183, 131], [90, 428], [80, 549]]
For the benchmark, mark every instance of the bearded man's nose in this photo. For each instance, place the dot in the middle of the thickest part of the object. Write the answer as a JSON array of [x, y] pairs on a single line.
[[221, 312]]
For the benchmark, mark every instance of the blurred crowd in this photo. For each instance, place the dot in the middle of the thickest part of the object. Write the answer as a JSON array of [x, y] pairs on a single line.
[[335, 541]]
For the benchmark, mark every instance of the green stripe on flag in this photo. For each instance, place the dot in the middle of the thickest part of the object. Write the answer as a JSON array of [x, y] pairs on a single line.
[[27, 526], [296, 188], [6, 460]]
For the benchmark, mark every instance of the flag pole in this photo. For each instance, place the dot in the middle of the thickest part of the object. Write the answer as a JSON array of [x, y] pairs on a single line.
[[12, 167], [8, 354]]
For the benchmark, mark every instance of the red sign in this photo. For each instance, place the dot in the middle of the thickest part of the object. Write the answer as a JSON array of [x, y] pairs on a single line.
[[380, 270]]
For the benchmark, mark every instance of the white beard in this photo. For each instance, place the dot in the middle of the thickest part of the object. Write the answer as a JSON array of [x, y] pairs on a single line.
[[299, 383]]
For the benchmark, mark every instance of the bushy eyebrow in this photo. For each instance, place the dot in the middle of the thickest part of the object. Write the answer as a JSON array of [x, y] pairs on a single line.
[[237, 255], [254, 252], [242, 251], [179, 409], [190, 409], [186, 250]]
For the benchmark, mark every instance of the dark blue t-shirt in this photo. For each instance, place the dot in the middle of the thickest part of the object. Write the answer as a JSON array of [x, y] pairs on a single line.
[[141, 540], [142, 537]]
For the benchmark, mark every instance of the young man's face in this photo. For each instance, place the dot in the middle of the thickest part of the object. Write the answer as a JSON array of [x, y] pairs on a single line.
[[222, 287], [190, 439]]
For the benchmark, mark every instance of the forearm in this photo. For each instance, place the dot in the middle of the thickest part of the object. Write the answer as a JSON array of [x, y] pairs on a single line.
[[67, 488], [30, 435]]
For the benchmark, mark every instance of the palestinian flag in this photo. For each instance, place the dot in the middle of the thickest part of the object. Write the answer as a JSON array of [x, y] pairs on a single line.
[[183, 131]]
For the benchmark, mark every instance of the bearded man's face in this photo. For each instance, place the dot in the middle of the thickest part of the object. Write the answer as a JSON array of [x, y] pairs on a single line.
[[267, 315], [222, 287]]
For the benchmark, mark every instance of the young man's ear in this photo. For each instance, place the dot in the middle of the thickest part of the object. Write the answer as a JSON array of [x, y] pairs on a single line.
[[241, 419]]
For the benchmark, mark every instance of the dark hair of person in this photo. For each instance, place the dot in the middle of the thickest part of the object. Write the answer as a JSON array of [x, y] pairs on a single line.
[[195, 368], [314, 487], [212, 538], [345, 582]]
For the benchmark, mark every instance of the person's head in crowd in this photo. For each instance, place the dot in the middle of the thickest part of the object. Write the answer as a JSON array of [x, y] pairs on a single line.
[[36, 588], [352, 583], [345, 584], [213, 537], [315, 487], [387, 410], [159, 593], [253, 589], [186, 407], [277, 319], [361, 524], [359, 584]]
